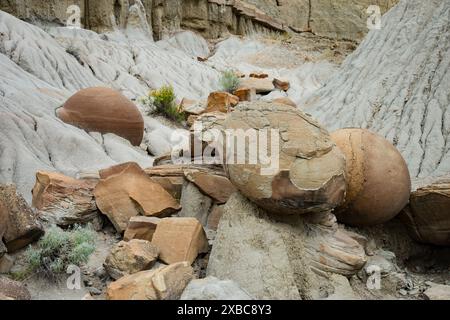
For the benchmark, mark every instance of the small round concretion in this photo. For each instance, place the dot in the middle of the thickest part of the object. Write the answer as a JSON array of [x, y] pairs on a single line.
[[104, 110], [308, 169], [378, 181]]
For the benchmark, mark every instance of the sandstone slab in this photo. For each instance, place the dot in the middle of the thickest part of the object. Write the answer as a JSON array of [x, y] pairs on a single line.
[[141, 228], [221, 102]]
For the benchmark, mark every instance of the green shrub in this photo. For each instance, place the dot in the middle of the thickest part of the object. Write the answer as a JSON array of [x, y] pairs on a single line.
[[229, 81], [164, 101], [58, 249]]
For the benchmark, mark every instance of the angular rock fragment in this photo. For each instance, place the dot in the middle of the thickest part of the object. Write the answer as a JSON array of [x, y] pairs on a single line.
[[130, 257], [165, 283], [125, 191], [305, 172], [217, 187], [141, 228], [104, 110], [221, 102], [180, 239], [438, 292], [428, 213], [19, 224], [63, 200]]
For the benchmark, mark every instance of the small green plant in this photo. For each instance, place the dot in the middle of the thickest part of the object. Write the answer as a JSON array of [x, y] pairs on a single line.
[[58, 249], [163, 100], [229, 81]]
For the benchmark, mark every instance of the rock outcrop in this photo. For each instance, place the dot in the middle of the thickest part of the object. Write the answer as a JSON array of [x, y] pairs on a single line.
[[212, 288], [280, 257], [404, 98], [309, 175], [130, 257]]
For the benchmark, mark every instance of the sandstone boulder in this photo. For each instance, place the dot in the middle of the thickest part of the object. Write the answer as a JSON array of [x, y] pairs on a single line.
[[281, 84], [125, 191], [221, 102], [263, 86], [211, 288], [428, 213], [307, 171], [180, 239], [165, 283], [141, 228], [378, 181], [13, 289], [279, 257], [130, 257], [245, 94], [63, 200], [104, 110], [170, 177], [19, 223]]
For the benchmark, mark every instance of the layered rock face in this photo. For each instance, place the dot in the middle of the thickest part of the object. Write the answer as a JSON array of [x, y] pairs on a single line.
[[212, 18], [396, 84]]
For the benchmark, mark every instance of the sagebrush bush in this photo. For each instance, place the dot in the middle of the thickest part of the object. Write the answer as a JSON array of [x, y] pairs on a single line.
[[164, 101], [58, 249], [229, 81]]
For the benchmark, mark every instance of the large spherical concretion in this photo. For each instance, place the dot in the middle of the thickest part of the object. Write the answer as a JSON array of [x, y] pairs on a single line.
[[104, 110], [378, 181], [308, 169]]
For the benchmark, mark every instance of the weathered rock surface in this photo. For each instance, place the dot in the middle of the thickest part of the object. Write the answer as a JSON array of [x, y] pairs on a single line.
[[19, 224], [307, 173], [170, 177], [141, 228], [438, 292], [285, 101], [211, 288], [245, 94], [195, 204], [218, 187], [279, 258], [378, 181], [104, 110], [13, 289], [165, 283], [125, 191], [130, 257], [6, 263], [180, 239], [428, 213], [63, 200], [394, 97]]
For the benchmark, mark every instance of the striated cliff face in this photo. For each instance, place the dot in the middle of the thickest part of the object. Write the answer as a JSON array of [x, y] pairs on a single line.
[[211, 18]]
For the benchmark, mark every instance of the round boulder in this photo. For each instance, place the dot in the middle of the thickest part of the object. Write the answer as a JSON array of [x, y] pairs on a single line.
[[378, 181], [104, 110], [298, 169]]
